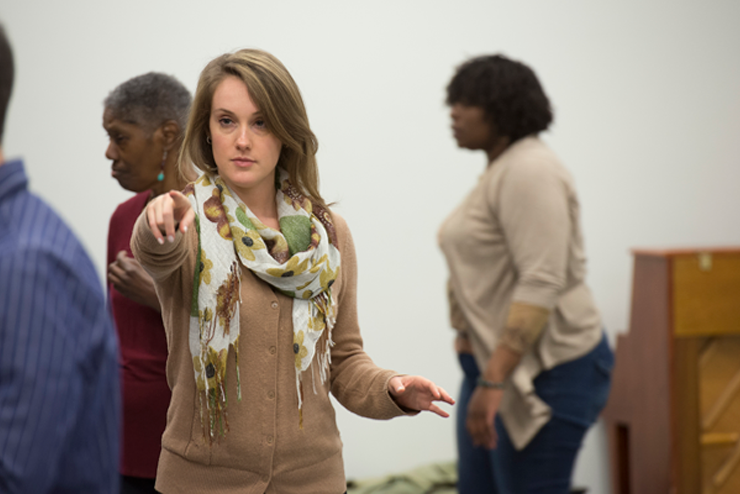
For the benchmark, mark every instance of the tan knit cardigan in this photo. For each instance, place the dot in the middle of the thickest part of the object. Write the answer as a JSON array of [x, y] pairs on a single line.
[[264, 450]]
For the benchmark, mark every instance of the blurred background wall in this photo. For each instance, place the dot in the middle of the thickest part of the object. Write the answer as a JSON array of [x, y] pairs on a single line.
[[647, 102]]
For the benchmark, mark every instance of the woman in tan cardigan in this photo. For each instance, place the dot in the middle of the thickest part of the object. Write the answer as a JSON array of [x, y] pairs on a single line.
[[530, 338], [257, 281]]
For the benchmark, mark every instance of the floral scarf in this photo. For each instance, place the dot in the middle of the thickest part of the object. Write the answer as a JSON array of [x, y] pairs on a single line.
[[301, 261]]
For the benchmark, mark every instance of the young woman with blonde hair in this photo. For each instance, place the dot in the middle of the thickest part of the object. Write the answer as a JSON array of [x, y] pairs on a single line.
[[263, 275]]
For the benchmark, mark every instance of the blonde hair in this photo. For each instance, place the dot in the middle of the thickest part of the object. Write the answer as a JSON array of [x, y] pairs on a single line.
[[276, 94]]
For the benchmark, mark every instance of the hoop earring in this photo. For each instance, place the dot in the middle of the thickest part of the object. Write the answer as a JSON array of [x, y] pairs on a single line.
[[160, 177], [208, 140]]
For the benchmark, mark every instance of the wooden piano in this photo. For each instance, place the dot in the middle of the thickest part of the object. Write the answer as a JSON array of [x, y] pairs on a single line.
[[673, 416]]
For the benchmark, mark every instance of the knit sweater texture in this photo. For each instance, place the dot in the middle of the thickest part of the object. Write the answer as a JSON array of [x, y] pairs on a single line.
[[265, 450], [516, 238]]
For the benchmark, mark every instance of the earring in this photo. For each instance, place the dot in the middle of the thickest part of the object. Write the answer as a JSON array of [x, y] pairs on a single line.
[[208, 139], [160, 177]]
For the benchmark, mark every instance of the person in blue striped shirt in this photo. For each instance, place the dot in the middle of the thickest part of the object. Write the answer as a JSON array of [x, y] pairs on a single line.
[[59, 384]]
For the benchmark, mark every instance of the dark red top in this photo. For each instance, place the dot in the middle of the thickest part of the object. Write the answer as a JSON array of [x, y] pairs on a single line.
[[143, 348]]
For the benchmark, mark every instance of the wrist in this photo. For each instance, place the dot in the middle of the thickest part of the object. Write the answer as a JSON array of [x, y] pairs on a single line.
[[481, 382]]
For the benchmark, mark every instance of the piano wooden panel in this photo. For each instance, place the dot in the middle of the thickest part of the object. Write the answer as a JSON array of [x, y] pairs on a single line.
[[673, 417]]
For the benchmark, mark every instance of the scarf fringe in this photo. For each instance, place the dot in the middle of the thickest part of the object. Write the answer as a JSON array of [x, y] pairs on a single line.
[[327, 306], [324, 357], [213, 403], [216, 399]]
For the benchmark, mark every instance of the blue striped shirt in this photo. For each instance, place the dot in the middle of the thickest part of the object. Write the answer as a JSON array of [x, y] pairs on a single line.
[[59, 385]]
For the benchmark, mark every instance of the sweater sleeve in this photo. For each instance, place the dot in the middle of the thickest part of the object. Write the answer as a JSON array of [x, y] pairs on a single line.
[[534, 215], [160, 261], [533, 212], [357, 383]]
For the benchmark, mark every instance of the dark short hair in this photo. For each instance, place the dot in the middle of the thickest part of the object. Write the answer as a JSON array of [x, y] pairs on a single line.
[[508, 91], [6, 77], [149, 100]]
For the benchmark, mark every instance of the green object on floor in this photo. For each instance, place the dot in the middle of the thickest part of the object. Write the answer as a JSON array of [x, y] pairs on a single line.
[[437, 478]]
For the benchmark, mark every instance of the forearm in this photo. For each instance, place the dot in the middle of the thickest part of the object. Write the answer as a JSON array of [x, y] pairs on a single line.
[[524, 325], [501, 364], [357, 383], [362, 388]]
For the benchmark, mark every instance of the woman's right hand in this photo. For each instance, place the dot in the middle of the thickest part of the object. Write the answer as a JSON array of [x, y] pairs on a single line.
[[168, 212], [132, 281]]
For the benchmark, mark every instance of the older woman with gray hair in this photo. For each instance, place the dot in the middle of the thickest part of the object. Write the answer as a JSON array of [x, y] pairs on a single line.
[[145, 118]]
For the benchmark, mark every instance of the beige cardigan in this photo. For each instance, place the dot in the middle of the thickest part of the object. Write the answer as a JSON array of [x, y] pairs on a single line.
[[264, 451], [517, 238]]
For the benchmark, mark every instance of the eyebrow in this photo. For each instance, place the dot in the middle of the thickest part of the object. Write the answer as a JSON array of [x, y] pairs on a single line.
[[114, 129], [214, 110]]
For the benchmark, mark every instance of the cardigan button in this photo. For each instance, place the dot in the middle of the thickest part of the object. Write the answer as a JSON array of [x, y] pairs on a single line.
[[274, 305], [271, 395], [269, 439], [273, 350]]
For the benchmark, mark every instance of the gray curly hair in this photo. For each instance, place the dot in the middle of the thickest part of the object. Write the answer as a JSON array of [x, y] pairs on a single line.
[[149, 100]]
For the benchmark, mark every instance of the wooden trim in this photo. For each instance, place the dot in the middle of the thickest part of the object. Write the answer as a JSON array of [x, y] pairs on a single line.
[[687, 432], [657, 252], [719, 439]]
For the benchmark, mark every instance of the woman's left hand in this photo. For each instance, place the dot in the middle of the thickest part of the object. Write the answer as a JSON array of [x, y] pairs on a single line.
[[416, 393], [482, 409]]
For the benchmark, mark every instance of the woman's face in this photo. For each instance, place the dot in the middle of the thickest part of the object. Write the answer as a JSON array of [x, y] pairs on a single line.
[[244, 149], [470, 127], [136, 157]]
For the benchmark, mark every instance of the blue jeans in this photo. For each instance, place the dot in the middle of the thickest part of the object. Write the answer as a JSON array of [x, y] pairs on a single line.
[[576, 391]]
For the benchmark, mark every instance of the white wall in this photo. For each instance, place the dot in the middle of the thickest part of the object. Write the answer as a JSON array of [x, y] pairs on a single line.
[[647, 99]]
